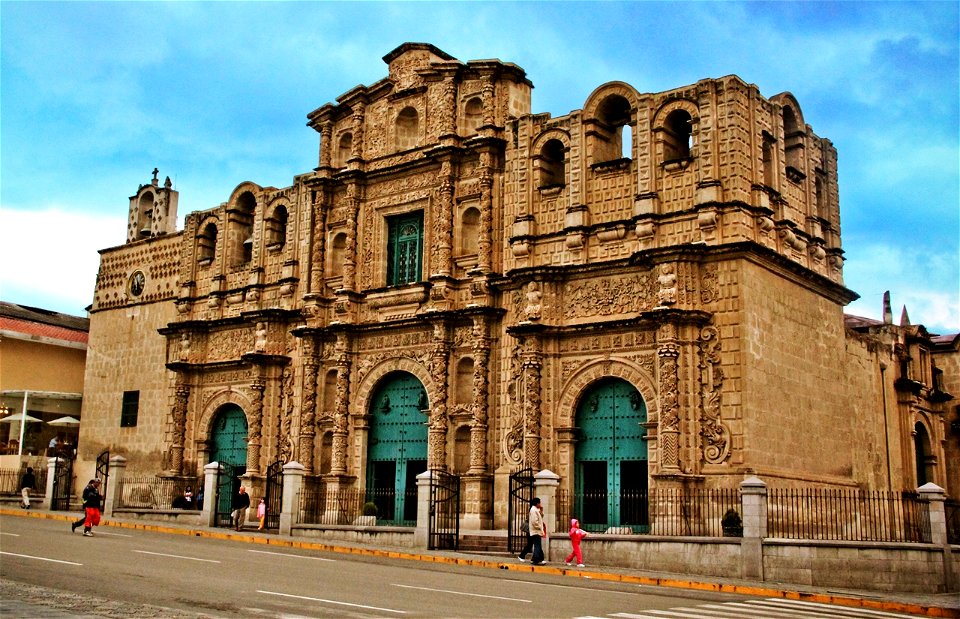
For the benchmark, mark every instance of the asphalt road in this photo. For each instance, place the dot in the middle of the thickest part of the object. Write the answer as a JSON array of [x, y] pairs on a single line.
[[192, 576]]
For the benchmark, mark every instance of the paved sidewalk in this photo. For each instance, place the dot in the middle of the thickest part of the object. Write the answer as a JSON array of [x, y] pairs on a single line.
[[928, 605]]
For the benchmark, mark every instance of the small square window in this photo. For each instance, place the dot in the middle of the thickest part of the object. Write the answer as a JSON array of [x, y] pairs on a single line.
[[131, 408]]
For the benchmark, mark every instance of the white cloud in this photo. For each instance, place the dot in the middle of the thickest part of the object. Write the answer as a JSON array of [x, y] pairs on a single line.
[[51, 256]]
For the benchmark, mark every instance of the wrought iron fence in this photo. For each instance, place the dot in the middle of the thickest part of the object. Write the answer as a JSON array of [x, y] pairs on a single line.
[[662, 511], [952, 512], [847, 514], [145, 491], [10, 480], [354, 506]]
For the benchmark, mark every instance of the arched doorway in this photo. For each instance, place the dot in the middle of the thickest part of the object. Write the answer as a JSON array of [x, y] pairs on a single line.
[[611, 456], [921, 448], [228, 437], [397, 447]]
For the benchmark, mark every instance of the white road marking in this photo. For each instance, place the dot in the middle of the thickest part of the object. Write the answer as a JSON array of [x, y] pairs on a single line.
[[161, 554], [304, 597], [99, 533], [283, 554], [802, 611], [13, 554], [545, 584], [10, 534], [860, 611], [476, 595]]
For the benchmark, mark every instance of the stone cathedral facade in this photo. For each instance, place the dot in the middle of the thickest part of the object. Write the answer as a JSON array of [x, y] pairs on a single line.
[[646, 292]]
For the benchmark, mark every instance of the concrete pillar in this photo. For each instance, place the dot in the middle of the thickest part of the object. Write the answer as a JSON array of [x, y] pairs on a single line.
[[545, 484], [118, 465], [208, 515], [293, 473], [51, 474], [934, 496], [421, 536], [754, 508]]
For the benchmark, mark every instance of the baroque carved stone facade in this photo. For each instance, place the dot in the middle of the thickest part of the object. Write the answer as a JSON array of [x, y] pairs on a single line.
[[684, 243]]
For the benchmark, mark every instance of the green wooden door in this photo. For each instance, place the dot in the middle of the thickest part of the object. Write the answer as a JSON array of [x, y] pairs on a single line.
[[611, 456], [230, 447], [397, 447]]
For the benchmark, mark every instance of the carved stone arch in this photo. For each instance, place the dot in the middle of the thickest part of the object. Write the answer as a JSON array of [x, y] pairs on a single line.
[[628, 92], [369, 382], [212, 405], [786, 99], [610, 367], [277, 223], [688, 106], [550, 134], [244, 187]]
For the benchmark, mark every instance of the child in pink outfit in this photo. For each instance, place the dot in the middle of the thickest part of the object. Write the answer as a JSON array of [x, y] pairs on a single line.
[[262, 513], [576, 534]]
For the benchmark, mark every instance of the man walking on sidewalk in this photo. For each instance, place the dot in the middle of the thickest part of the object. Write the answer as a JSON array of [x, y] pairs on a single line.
[[241, 503], [91, 507]]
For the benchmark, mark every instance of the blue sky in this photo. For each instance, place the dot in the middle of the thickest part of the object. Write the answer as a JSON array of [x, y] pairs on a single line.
[[93, 96]]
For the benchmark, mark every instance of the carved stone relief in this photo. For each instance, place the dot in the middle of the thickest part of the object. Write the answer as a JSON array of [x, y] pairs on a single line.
[[715, 434]]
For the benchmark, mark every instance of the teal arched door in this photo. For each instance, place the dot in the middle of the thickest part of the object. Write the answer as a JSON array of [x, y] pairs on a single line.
[[229, 439], [611, 456], [397, 447]]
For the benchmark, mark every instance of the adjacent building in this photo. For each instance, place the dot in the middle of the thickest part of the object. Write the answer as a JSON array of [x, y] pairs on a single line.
[[644, 293]]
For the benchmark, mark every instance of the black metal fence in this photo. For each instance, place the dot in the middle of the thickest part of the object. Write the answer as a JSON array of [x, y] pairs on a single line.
[[10, 480], [144, 491], [664, 511], [847, 514], [352, 506], [952, 512]]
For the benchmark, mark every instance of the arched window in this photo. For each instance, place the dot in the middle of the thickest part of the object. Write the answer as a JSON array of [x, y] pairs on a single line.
[[145, 216], [277, 227], [344, 148], [677, 136], [240, 230], [613, 114], [337, 254], [207, 244], [552, 164], [792, 141], [408, 128], [472, 116], [769, 165], [470, 232], [921, 446]]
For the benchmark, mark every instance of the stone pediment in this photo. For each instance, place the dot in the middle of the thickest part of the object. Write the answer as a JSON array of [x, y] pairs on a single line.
[[409, 59]]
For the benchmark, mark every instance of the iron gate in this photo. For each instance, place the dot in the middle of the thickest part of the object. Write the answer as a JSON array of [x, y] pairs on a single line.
[[62, 484], [274, 494], [444, 526], [103, 472], [226, 482], [521, 493]]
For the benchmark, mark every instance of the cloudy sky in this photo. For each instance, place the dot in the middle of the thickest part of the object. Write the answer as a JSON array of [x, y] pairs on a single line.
[[93, 96]]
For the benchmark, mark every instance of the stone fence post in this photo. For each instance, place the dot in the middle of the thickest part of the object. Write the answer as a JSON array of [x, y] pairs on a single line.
[[118, 466], [934, 496], [208, 512], [545, 484], [293, 474], [754, 504], [51, 474], [421, 536]]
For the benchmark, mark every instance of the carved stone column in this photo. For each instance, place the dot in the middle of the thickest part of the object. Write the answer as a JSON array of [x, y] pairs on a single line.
[[443, 222], [326, 144], [481, 392], [350, 247], [715, 435], [489, 104], [179, 413], [338, 459], [356, 151], [669, 431], [532, 362], [437, 434], [318, 249], [484, 240], [308, 405], [449, 126], [256, 425]]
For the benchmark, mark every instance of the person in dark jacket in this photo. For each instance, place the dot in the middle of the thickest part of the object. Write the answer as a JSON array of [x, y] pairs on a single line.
[[27, 484], [241, 503], [91, 507]]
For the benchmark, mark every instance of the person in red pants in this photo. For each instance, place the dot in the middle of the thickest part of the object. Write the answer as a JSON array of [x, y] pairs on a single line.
[[576, 536], [91, 508]]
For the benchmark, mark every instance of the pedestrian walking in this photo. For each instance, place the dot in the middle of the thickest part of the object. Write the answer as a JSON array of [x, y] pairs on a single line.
[[28, 483], [538, 531], [262, 513], [91, 507], [576, 536], [241, 503]]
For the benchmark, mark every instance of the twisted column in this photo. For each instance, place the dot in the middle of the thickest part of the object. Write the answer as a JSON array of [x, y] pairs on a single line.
[[338, 459], [481, 392], [256, 424], [531, 362], [437, 434], [308, 406], [179, 413]]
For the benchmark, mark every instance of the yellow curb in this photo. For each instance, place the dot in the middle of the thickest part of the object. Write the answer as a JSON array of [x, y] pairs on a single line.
[[675, 583]]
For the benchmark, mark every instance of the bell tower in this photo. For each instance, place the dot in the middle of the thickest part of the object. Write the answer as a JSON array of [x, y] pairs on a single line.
[[153, 210]]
